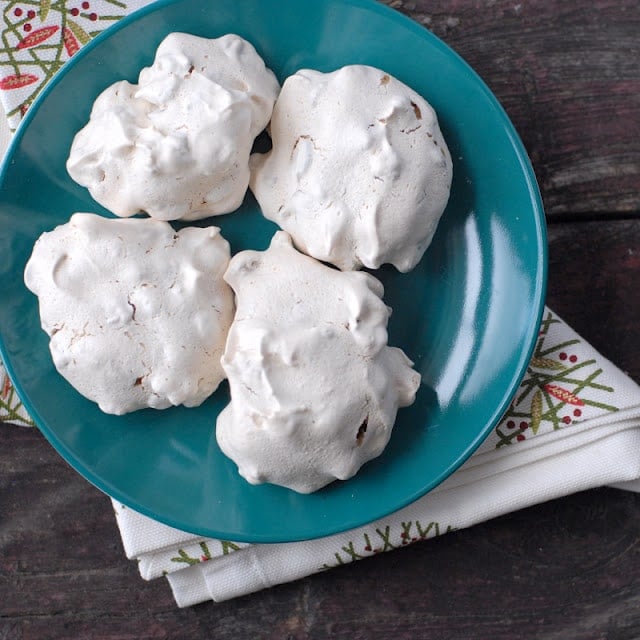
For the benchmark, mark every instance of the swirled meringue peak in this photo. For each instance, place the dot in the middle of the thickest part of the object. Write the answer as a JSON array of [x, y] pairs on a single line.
[[176, 145], [314, 387], [359, 173], [137, 314]]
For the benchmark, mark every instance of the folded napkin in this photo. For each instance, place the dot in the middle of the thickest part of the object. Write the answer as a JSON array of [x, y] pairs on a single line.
[[574, 422]]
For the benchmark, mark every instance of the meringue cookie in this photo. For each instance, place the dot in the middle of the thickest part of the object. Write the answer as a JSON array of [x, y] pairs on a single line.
[[359, 173], [137, 314], [314, 387], [177, 144]]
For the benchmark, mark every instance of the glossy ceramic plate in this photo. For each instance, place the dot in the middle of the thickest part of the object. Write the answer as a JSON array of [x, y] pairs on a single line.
[[467, 315]]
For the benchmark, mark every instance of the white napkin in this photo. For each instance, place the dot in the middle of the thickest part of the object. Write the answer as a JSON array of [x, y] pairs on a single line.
[[574, 423]]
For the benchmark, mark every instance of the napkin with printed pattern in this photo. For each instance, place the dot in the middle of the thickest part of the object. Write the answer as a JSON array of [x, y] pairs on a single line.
[[573, 424]]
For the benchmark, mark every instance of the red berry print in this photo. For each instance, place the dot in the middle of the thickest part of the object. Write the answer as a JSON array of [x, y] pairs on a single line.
[[85, 5], [38, 36], [27, 27], [520, 437], [31, 14], [203, 558], [6, 387], [367, 548], [563, 394], [524, 425], [16, 81], [573, 359], [75, 11], [93, 17], [70, 41], [577, 413], [17, 12], [563, 356], [511, 424], [566, 420]]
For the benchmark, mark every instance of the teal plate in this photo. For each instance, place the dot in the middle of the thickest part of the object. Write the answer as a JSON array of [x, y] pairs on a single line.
[[467, 315]]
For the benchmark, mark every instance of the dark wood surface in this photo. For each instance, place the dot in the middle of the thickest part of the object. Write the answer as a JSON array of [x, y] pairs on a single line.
[[568, 74]]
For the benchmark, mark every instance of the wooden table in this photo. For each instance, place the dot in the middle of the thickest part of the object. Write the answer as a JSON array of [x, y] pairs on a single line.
[[568, 74]]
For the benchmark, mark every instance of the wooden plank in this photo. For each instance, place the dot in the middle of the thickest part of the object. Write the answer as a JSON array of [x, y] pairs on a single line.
[[568, 75], [594, 277], [569, 568]]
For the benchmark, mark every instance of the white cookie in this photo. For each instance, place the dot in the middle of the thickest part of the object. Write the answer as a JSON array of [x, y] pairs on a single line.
[[314, 387], [177, 144], [359, 173], [137, 314]]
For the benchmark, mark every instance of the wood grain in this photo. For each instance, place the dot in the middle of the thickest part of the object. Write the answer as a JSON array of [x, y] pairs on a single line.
[[566, 569], [594, 279], [568, 75]]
